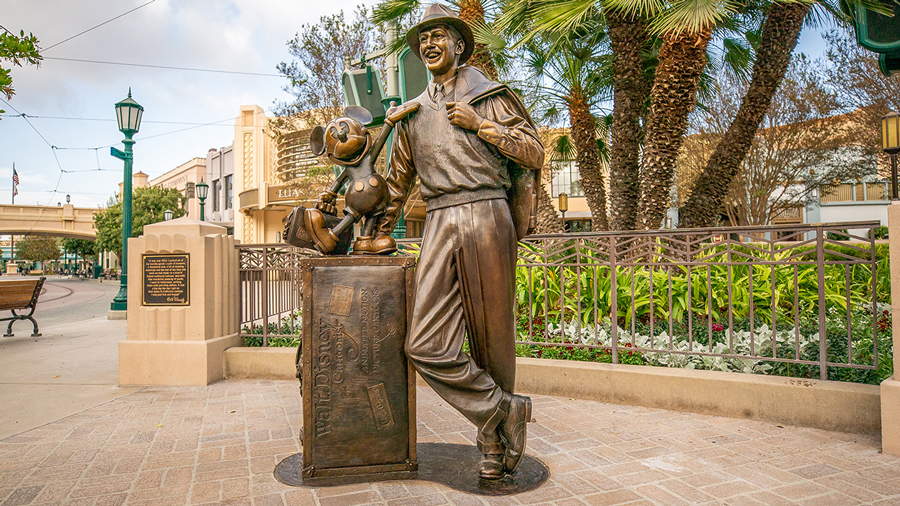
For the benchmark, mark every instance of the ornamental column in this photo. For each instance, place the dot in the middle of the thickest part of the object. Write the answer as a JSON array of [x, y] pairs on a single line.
[[183, 304]]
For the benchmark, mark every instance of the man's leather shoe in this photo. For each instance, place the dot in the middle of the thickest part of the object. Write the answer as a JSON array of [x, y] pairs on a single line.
[[491, 467], [513, 433]]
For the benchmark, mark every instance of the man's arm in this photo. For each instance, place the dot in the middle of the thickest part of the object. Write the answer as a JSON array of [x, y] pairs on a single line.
[[507, 129], [400, 178]]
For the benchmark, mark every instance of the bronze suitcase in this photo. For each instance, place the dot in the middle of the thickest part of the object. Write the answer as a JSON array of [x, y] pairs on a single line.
[[358, 388]]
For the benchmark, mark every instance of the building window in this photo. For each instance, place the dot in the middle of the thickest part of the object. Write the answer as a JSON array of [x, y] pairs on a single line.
[[578, 225], [567, 180], [229, 193], [215, 196]]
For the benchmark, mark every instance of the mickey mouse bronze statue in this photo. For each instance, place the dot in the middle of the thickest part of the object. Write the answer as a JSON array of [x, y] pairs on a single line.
[[346, 141]]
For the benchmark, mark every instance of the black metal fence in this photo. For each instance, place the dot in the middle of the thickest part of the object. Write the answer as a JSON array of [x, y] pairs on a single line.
[[748, 299], [271, 291]]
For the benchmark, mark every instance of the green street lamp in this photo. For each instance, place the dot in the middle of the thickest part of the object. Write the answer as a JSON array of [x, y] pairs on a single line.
[[890, 137], [128, 114], [167, 214], [202, 192]]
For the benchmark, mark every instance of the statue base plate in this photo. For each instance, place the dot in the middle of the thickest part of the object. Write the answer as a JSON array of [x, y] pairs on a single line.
[[455, 466]]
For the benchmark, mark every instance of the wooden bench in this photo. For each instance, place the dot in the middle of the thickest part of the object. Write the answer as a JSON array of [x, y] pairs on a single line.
[[20, 295]]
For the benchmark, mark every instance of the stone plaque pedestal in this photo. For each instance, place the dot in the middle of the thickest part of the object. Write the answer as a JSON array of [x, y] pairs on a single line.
[[358, 388], [178, 336]]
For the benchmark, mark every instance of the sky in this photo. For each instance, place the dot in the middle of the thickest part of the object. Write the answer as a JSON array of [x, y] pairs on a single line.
[[70, 105], [241, 36]]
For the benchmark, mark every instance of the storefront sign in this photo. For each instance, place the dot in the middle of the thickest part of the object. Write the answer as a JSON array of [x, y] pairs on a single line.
[[284, 193]]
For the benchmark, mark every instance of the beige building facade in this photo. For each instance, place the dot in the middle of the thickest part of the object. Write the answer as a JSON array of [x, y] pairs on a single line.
[[258, 219], [185, 178]]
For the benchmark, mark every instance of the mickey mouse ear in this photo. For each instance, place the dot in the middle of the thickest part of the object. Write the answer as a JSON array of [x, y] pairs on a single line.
[[317, 140], [358, 113]]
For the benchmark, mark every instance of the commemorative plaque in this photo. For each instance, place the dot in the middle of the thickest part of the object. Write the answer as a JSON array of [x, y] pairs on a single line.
[[358, 388], [165, 279]]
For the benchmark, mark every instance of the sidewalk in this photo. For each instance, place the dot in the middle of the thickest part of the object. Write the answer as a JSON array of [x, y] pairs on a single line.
[[68, 369], [220, 444], [72, 366], [80, 439]]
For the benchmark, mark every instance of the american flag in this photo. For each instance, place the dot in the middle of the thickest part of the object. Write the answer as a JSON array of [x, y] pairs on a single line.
[[15, 182]]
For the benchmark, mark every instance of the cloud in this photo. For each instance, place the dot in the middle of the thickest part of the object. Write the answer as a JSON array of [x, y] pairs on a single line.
[[210, 34]]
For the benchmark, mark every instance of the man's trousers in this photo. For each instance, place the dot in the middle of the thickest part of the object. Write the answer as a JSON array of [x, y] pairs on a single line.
[[465, 283]]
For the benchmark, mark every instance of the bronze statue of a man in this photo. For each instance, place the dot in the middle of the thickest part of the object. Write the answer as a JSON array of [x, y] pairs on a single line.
[[463, 143]]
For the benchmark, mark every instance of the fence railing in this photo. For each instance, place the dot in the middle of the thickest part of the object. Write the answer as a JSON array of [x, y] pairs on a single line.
[[735, 297], [271, 291]]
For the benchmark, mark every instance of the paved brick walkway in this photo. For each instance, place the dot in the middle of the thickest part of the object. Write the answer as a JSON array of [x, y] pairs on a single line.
[[219, 445]]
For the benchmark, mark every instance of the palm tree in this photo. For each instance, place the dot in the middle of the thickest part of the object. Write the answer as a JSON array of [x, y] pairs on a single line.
[[626, 74], [629, 36], [548, 222], [686, 27], [780, 32], [571, 74]]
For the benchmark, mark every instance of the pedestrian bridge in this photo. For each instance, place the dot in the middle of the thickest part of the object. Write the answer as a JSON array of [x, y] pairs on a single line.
[[62, 221]]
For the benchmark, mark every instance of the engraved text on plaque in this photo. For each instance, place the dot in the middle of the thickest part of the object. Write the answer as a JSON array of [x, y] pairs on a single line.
[[166, 279]]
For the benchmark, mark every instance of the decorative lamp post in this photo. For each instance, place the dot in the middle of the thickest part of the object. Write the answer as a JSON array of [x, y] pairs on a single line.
[[890, 136], [563, 207], [167, 214], [202, 192], [68, 199], [128, 114]]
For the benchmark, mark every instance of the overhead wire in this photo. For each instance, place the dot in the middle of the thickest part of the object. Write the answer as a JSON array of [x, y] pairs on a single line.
[[62, 171], [31, 116], [97, 26], [53, 150], [166, 67]]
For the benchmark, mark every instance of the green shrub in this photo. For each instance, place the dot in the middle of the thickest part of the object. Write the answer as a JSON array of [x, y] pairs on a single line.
[[289, 329], [879, 233], [837, 235]]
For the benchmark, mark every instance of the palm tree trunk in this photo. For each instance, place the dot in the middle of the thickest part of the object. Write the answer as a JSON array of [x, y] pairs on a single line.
[[587, 157], [473, 11], [627, 35], [681, 60], [548, 222], [779, 37]]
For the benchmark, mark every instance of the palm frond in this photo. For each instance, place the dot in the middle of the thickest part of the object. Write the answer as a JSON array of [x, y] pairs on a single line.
[[693, 16], [393, 10], [561, 16], [737, 59], [514, 17], [563, 149], [603, 151], [642, 8], [487, 35]]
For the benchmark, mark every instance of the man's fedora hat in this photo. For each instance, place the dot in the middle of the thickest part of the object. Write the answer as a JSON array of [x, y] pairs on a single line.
[[437, 14]]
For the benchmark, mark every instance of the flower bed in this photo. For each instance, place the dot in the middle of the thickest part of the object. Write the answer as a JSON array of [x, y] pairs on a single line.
[[587, 343]]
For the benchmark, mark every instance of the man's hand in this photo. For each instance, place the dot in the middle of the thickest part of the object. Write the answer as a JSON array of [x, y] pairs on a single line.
[[398, 112], [462, 115]]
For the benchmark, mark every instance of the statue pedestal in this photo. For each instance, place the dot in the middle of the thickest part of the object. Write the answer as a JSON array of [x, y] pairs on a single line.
[[358, 389]]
